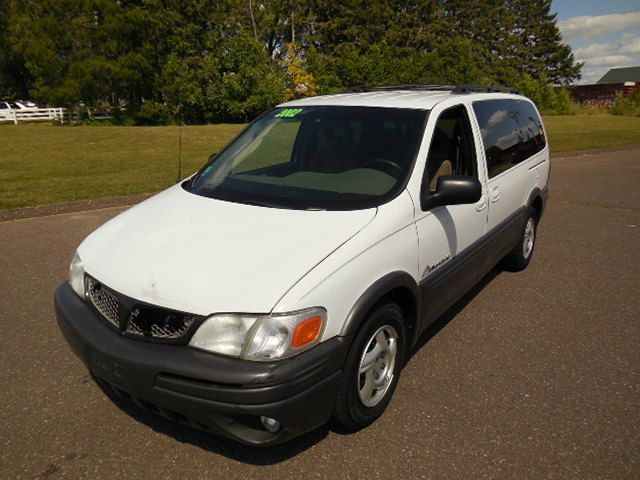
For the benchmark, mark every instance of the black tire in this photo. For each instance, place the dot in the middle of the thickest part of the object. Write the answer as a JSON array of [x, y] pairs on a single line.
[[349, 412], [516, 260]]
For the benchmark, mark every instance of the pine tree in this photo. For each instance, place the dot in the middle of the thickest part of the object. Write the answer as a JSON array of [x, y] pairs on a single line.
[[540, 49], [15, 79], [227, 59]]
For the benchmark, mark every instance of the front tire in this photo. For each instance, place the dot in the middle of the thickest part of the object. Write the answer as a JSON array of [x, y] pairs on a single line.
[[371, 369]]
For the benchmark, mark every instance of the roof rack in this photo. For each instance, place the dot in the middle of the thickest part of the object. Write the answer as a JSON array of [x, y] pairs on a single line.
[[458, 89], [386, 88], [484, 88]]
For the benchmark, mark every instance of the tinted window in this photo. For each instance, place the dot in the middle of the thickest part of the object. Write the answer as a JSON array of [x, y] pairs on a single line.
[[337, 158], [274, 149], [452, 151], [511, 132]]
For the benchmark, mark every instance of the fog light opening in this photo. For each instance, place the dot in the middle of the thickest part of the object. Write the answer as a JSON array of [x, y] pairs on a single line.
[[270, 424]]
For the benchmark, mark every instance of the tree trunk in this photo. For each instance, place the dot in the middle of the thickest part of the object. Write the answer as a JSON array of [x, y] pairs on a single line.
[[253, 20]]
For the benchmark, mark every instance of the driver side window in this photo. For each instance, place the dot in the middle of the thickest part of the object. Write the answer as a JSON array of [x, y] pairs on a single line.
[[452, 150]]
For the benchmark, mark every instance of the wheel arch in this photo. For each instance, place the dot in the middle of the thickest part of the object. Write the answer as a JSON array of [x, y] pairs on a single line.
[[398, 287], [536, 201]]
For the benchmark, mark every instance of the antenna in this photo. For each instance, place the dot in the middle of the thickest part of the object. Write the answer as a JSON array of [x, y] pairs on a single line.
[[180, 152]]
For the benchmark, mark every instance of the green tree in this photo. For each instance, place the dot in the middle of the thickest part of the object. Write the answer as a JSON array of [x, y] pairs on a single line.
[[210, 60], [488, 26], [539, 49], [549, 99], [230, 80], [300, 82], [15, 79], [458, 40], [86, 50]]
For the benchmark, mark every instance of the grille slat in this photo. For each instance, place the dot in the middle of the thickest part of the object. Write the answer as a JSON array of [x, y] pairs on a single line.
[[105, 302], [158, 323], [142, 320]]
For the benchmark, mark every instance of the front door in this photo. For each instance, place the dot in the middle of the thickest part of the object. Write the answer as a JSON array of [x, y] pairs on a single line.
[[448, 236]]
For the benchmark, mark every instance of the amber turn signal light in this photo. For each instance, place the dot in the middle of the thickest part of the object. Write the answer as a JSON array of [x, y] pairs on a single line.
[[306, 331]]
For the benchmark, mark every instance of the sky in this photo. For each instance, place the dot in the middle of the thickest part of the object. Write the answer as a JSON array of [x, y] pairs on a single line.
[[602, 33]]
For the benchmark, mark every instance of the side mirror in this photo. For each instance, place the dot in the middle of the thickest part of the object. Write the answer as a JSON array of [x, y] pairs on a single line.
[[452, 190], [212, 156]]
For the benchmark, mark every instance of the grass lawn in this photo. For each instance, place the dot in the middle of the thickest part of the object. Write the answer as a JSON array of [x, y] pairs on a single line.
[[579, 132], [42, 164]]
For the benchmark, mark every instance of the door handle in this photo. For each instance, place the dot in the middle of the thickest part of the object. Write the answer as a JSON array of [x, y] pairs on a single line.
[[495, 195], [482, 204]]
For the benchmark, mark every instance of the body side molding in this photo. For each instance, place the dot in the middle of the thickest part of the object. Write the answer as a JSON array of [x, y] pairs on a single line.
[[441, 289]]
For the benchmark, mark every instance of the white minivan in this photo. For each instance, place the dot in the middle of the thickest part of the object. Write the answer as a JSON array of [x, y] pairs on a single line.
[[283, 284]]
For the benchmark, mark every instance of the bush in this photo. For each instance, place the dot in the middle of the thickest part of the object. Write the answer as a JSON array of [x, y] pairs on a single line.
[[563, 104], [627, 105], [550, 100], [231, 82], [153, 113], [117, 116], [84, 115], [586, 109]]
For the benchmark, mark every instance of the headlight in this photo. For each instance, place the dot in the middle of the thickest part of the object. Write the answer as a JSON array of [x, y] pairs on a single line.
[[261, 337], [223, 333], [76, 276]]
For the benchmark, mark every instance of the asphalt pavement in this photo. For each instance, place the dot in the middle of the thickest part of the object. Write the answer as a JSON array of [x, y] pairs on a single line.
[[531, 375]]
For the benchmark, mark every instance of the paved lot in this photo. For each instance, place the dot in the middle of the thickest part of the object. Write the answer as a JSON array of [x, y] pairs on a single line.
[[532, 375]]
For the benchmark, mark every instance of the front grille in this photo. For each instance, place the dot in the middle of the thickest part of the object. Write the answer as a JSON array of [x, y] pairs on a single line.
[[104, 301], [158, 322], [137, 319]]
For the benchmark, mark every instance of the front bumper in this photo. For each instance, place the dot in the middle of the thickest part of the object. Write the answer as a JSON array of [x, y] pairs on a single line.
[[221, 394]]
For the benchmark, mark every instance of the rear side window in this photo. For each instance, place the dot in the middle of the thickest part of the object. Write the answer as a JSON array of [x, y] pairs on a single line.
[[511, 132]]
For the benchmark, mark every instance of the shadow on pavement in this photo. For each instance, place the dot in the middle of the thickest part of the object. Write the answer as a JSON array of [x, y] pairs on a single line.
[[450, 314], [278, 453]]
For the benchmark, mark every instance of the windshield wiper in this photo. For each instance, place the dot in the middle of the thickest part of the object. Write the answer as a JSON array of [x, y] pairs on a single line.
[[263, 204], [275, 205]]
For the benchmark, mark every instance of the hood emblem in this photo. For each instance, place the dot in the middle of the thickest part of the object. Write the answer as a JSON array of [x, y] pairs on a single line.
[[151, 288]]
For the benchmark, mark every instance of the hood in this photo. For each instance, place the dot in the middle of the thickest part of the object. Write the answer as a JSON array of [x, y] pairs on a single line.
[[202, 255]]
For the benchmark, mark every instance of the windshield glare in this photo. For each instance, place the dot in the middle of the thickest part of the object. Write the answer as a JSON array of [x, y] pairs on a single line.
[[329, 158]]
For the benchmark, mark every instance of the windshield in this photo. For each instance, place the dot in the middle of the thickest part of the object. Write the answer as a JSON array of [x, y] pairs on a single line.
[[327, 158]]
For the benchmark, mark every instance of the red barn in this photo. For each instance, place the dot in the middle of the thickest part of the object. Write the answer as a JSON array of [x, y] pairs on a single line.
[[603, 92]]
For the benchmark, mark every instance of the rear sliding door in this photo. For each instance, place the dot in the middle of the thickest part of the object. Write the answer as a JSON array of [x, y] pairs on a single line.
[[513, 139]]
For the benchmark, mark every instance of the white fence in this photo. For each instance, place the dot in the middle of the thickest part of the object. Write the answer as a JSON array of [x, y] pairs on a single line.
[[33, 114]]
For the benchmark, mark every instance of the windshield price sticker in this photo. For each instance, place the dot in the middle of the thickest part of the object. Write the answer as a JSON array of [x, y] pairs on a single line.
[[288, 113]]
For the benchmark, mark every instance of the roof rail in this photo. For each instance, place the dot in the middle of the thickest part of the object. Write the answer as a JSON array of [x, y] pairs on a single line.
[[385, 88], [459, 89], [484, 88]]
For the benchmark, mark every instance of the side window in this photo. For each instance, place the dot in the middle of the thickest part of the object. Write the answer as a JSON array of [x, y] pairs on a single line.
[[452, 150], [511, 132], [531, 130]]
